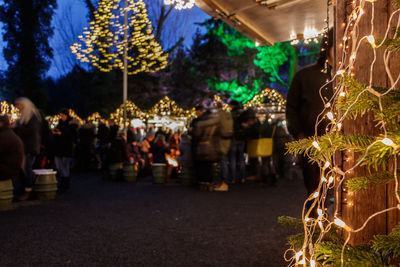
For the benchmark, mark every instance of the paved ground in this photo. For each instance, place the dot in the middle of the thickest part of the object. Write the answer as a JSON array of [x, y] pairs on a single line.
[[103, 223]]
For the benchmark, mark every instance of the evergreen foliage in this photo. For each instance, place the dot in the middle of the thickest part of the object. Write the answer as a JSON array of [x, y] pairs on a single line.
[[255, 67], [27, 28], [375, 152]]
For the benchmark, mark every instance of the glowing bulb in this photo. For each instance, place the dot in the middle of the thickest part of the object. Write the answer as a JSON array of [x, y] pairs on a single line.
[[340, 72], [315, 144], [323, 179], [312, 263], [339, 125], [328, 105], [298, 255], [303, 261], [327, 164], [342, 94], [316, 194], [342, 224], [387, 141], [352, 57], [329, 115], [306, 219], [371, 40], [361, 12], [319, 211]]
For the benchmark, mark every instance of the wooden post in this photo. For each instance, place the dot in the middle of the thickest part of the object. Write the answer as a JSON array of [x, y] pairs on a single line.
[[355, 208]]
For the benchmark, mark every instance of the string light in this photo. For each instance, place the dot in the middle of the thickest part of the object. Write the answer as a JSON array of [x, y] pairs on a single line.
[[316, 145], [180, 4], [371, 40], [387, 141], [268, 93], [330, 115], [102, 43], [10, 110], [350, 48]]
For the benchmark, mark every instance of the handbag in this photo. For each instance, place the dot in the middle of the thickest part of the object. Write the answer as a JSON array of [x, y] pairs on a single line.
[[261, 147]]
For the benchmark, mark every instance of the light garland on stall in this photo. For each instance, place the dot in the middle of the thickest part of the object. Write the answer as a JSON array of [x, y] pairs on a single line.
[[96, 117], [102, 44], [180, 4], [54, 120], [168, 107], [225, 106], [332, 174], [274, 96], [10, 110], [132, 112]]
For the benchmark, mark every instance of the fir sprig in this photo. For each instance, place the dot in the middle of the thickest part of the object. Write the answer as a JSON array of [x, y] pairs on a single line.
[[362, 183], [329, 254], [388, 245]]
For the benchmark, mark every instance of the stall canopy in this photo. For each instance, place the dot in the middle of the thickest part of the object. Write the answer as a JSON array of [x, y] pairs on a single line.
[[270, 21]]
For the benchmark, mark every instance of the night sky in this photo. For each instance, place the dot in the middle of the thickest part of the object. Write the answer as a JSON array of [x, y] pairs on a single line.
[[71, 16]]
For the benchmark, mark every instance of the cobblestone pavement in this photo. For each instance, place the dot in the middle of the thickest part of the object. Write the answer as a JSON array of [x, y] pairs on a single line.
[[103, 223]]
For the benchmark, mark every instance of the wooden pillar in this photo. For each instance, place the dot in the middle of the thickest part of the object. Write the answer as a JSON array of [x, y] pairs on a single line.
[[355, 208]]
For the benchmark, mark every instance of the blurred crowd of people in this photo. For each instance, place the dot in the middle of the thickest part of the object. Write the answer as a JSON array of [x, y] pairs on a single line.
[[213, 147]]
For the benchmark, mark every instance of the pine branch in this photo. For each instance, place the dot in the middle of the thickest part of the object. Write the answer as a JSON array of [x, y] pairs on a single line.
[[362, 183], [329, 144], [392, 45], [329, 254], [367, 101], [396, 3], [296, 241], [291, 222], [388, 245]]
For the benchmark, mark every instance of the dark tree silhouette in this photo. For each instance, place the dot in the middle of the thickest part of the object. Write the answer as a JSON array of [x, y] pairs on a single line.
[[27, 29]]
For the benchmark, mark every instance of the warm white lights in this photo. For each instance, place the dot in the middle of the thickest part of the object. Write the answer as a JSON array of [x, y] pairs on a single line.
[[371, 40], [387, 141], [315, 144], [180, 4]]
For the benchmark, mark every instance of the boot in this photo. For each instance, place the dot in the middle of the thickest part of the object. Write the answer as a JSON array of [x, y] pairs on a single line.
[[26, 195]]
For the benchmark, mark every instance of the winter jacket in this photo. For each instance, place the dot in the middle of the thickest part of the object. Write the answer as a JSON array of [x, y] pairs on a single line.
[[208, 136], [304, 103], [118, 152], [238, 129], [159, 150], [65, 142], [11, 154], [30, 134]]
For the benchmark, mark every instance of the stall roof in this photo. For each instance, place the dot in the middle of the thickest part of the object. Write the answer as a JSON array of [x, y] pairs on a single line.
[[269, 21]]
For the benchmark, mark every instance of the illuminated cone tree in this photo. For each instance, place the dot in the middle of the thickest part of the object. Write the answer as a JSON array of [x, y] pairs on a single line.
[[121, 37]]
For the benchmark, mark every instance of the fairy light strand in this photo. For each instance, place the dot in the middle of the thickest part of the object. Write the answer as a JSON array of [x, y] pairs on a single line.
[[350, 45]]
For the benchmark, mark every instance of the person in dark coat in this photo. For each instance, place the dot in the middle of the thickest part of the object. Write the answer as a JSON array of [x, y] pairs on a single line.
[[65, 136], [158, 148], [118, 153], [200, 115], [103, 137], [119, 149], [85, 154], [28, 128], [304, 104], [237, 163], [11, 151]]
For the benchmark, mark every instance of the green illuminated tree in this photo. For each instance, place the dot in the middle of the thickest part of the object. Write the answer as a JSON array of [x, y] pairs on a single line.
[[254, 67], [271, 58]]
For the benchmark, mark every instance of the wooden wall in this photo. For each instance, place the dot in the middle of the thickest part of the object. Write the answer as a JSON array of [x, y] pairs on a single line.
[[378, 198]]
